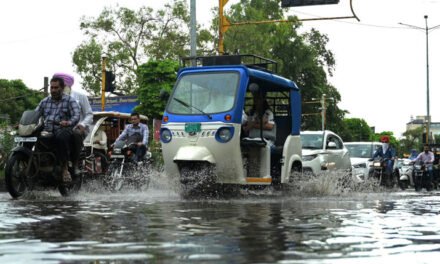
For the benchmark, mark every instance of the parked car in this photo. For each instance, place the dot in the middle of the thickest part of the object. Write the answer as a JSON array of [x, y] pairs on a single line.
[[360, 153], [323, 151]]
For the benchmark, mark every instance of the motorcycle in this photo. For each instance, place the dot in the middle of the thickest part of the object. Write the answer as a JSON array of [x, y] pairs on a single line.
[[125, 170], [421, 177], [379, 173], [33, 164]]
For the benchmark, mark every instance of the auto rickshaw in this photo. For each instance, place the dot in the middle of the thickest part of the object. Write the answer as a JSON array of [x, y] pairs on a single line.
[[203, 144]]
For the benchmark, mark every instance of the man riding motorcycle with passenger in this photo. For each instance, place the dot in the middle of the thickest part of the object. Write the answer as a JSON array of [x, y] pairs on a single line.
[[60, 113]]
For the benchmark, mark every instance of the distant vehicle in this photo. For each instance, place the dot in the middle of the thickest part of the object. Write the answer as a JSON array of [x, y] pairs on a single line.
[[323, 151], [360, 153]]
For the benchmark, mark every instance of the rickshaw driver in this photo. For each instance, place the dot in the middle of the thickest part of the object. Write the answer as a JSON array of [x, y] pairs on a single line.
[[137, 133], [61, 113], [81, 130]]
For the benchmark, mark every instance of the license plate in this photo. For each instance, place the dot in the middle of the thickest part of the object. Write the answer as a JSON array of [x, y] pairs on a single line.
[[25, 139], [193, 127]]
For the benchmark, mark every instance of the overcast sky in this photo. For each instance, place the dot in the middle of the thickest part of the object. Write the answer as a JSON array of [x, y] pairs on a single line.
[[380, 65]]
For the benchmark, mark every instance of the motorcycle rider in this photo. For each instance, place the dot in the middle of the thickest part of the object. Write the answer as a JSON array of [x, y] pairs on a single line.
[[386, 152], [61, 113], [427, 158], [81, 130], [137, 133]]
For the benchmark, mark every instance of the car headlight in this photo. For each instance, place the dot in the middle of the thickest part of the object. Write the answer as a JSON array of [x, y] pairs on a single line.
[[224, 134], [165, 135], [309, 157]]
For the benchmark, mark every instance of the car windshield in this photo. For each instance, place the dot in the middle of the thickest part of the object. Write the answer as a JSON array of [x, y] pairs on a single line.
[[360, 150], [204, 93], [312, 141]]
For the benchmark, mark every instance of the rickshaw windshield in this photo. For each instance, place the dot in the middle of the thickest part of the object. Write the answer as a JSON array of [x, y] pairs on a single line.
[[204, 93]]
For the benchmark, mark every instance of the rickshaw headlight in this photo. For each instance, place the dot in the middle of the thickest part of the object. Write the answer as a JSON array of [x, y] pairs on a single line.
[[224, 134], [165, 135]]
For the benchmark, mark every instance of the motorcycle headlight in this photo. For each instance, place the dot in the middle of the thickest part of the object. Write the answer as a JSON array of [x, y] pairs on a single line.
[[376, 164], [165, 135], [224, 134], [309, 157], [117, 151]]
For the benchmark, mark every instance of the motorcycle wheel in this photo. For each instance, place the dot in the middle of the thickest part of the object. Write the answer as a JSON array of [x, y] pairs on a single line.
[[74, 186], [15, 174], [417, 183], [114, 179], [403, 185]]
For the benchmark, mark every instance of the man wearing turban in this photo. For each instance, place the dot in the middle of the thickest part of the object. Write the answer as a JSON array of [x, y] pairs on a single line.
[[86, 115]]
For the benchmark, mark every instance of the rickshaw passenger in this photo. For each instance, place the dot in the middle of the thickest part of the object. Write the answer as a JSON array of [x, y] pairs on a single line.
[[100, 140], [137, 133], [81, 130], [61, 113], [261, 110]]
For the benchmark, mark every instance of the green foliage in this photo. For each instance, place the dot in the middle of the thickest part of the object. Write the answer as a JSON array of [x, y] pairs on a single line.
[[412, 140], [356, 129], [15, 98], [128, 38], [155, 76]]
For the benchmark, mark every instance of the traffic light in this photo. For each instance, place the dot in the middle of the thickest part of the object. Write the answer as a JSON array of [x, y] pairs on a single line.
[[289, 3], [110, 85]]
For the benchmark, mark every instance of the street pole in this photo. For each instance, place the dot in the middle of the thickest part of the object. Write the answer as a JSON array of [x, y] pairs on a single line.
[[193, 25], [104, 61], [426, 29], [428, 127], [323, 112]]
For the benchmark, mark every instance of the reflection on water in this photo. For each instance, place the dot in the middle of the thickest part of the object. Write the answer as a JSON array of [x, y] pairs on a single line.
[[157, 226]]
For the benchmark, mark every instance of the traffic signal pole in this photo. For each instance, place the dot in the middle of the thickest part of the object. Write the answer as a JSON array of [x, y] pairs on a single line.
[[103, 82], [224, 24]]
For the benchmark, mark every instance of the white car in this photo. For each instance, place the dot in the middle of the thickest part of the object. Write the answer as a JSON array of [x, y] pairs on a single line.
[[360, 153], [323, 151]]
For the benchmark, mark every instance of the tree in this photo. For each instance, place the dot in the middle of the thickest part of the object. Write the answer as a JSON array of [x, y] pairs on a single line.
[[412, 139], [128, 38], [303, 58], [356, 129], [15, 98], [155, 76]]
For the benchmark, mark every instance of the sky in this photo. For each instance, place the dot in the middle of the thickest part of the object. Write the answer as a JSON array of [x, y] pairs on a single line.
[[381, 69]]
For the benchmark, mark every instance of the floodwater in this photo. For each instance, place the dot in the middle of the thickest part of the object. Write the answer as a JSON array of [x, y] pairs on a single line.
[[314, 225]]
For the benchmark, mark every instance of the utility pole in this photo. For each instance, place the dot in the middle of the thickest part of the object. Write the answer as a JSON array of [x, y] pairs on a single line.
[[323, 112], [193, 26], [103, 82], [426, 29]]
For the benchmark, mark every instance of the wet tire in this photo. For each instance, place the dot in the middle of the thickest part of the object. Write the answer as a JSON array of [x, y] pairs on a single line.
[[403, 185], [15, 174], [197, 180], [114, 180]]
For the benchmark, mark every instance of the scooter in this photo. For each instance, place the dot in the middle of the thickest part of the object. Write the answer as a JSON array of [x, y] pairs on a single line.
[[405, 169]]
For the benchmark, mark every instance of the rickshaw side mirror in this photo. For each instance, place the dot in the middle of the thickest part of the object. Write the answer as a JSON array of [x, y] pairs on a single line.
[[164, 95]]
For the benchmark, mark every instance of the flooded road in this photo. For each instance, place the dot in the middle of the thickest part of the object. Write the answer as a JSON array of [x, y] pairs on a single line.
[[157, 226]]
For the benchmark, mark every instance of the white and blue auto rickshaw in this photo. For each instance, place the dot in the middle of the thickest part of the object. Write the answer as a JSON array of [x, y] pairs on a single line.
[[203, 144]]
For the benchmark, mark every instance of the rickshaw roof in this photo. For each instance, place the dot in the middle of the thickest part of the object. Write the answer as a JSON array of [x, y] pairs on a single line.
[[117, 115], [269, 80]]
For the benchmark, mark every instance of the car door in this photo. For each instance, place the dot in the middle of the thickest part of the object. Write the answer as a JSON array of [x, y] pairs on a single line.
[[336, 152]]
